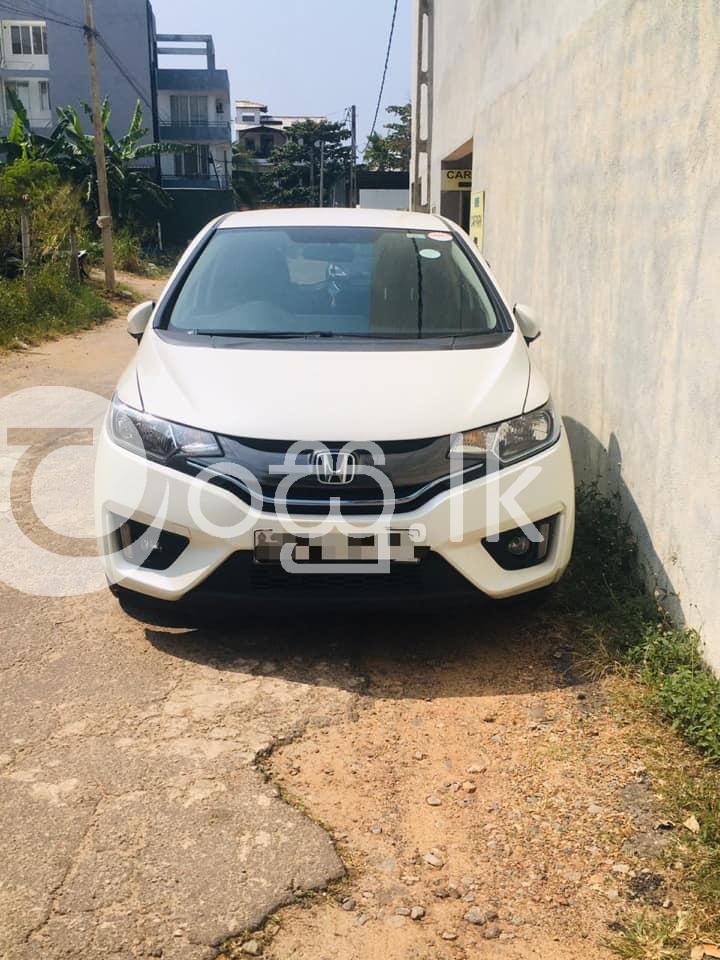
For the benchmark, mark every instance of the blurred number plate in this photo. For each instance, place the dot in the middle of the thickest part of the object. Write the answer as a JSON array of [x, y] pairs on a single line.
[[336, 548]]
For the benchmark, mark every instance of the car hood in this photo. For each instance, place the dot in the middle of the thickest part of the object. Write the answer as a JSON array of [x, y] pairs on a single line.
[[301, 393]]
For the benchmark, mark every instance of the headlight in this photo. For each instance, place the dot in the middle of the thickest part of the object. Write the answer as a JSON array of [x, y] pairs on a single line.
[[157, 439], [510, 440]]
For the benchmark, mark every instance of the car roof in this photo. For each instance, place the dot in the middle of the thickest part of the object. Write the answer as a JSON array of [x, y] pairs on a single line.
[[333, 217]]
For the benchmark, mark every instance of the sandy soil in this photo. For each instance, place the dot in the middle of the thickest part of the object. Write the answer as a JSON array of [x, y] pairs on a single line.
[[483, 784]]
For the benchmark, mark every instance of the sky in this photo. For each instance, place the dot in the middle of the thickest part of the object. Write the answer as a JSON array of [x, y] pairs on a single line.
[[313, 57]]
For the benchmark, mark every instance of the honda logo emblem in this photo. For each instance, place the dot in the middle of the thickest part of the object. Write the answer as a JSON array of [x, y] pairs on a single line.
[[334, 467]]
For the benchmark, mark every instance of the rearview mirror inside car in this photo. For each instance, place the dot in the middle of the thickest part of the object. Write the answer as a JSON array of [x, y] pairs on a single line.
[[527, 321], [138, 319]]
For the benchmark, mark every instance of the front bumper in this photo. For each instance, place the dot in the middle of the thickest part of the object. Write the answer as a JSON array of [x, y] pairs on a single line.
[[451, 526]]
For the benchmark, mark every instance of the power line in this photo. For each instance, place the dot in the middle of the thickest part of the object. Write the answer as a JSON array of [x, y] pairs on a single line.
[[123, 69], [40, 14], [30, 8], [69, 20], [387, 60]]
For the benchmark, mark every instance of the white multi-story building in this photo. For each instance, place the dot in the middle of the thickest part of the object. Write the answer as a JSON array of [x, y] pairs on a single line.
[[45, 65], [194, 109], [260, 131], [25, 69]]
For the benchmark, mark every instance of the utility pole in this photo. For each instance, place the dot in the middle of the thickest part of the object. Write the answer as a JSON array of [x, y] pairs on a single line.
[[104, 221], [353, 158], [322, 172]]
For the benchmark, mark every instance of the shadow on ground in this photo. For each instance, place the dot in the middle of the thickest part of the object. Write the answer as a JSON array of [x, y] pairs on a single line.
[[492, 649]]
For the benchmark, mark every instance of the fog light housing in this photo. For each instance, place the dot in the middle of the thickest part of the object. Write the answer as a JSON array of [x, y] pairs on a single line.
[[148, 547], [519, 548], [519, 545]]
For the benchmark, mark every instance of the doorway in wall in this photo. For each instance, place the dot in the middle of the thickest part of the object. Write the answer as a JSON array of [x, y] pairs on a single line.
[[456, 188]]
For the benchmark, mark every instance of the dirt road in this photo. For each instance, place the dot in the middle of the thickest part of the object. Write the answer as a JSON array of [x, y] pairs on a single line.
[[162, 788]]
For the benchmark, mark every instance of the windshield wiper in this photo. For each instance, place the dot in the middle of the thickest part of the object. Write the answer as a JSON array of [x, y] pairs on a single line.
[[264, 334]]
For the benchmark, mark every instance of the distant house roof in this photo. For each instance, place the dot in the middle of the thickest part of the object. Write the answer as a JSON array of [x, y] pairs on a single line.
[[251, 103], [261, 128], [289, 121], [180, 79]]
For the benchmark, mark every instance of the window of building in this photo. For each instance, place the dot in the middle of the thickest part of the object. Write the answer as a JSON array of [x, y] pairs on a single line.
[[44, 96], [266, 145], [39, 35], [250, 144], [248, 118], [193, 162], [219, 106], [21, 89], [188, 109], [28, 39], [21, 40]]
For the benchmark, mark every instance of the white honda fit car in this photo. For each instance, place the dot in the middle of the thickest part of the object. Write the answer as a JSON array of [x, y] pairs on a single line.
[[328, 403]]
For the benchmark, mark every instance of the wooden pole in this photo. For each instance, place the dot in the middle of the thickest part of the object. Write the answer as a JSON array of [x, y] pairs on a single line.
[[25, 238], [105, 219], [322, 173], [74, 262], [353, 158]]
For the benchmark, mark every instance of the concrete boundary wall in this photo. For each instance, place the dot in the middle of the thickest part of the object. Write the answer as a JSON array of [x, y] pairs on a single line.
[[596, 136]]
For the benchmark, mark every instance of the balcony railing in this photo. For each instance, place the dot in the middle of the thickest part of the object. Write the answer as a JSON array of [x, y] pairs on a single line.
[[195, 132], [199, 182]]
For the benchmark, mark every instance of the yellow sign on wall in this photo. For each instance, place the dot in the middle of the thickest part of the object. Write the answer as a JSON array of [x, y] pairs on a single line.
[[477, 218], [457, 180]]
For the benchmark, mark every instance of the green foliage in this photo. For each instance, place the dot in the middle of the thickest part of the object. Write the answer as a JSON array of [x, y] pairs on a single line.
[[53, 208], [128, 252], [648, 937], [49, 306], [26, 183], [391, 151], [606, 598], [245, 178], [135, 199], [293, 177], [690, 698]]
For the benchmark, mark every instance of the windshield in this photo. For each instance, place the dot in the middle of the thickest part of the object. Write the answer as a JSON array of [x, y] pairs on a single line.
[[333, 281]]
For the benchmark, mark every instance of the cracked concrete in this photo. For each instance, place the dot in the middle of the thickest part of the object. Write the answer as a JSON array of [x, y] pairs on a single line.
[[133, 819]]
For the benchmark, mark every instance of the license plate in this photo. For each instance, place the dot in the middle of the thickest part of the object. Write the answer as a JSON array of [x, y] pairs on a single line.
[[394, 545]]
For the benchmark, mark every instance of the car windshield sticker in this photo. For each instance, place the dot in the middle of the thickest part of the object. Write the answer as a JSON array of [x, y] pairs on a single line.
[[436, 235], [429, 253]]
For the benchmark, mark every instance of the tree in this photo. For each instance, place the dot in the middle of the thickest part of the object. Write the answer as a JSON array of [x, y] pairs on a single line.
[[293, 177], [245, 177], [135, 198], [37, 214], [391, 151]]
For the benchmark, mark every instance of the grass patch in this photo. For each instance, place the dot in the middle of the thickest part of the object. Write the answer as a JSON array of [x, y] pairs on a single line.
[[649, 937], [130, 255], [606, 604], [48, 306], [604, 596]]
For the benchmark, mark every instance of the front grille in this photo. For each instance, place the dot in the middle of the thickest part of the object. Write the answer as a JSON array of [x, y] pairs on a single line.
[[418, 470]]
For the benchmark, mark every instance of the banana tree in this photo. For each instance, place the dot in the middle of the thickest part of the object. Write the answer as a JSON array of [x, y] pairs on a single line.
[[135, 198]]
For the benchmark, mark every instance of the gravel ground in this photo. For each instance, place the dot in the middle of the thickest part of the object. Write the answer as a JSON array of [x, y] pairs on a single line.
[[165, 788]]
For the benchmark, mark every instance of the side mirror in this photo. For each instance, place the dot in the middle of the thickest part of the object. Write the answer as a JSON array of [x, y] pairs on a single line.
[[138, 319], [527, 321]]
